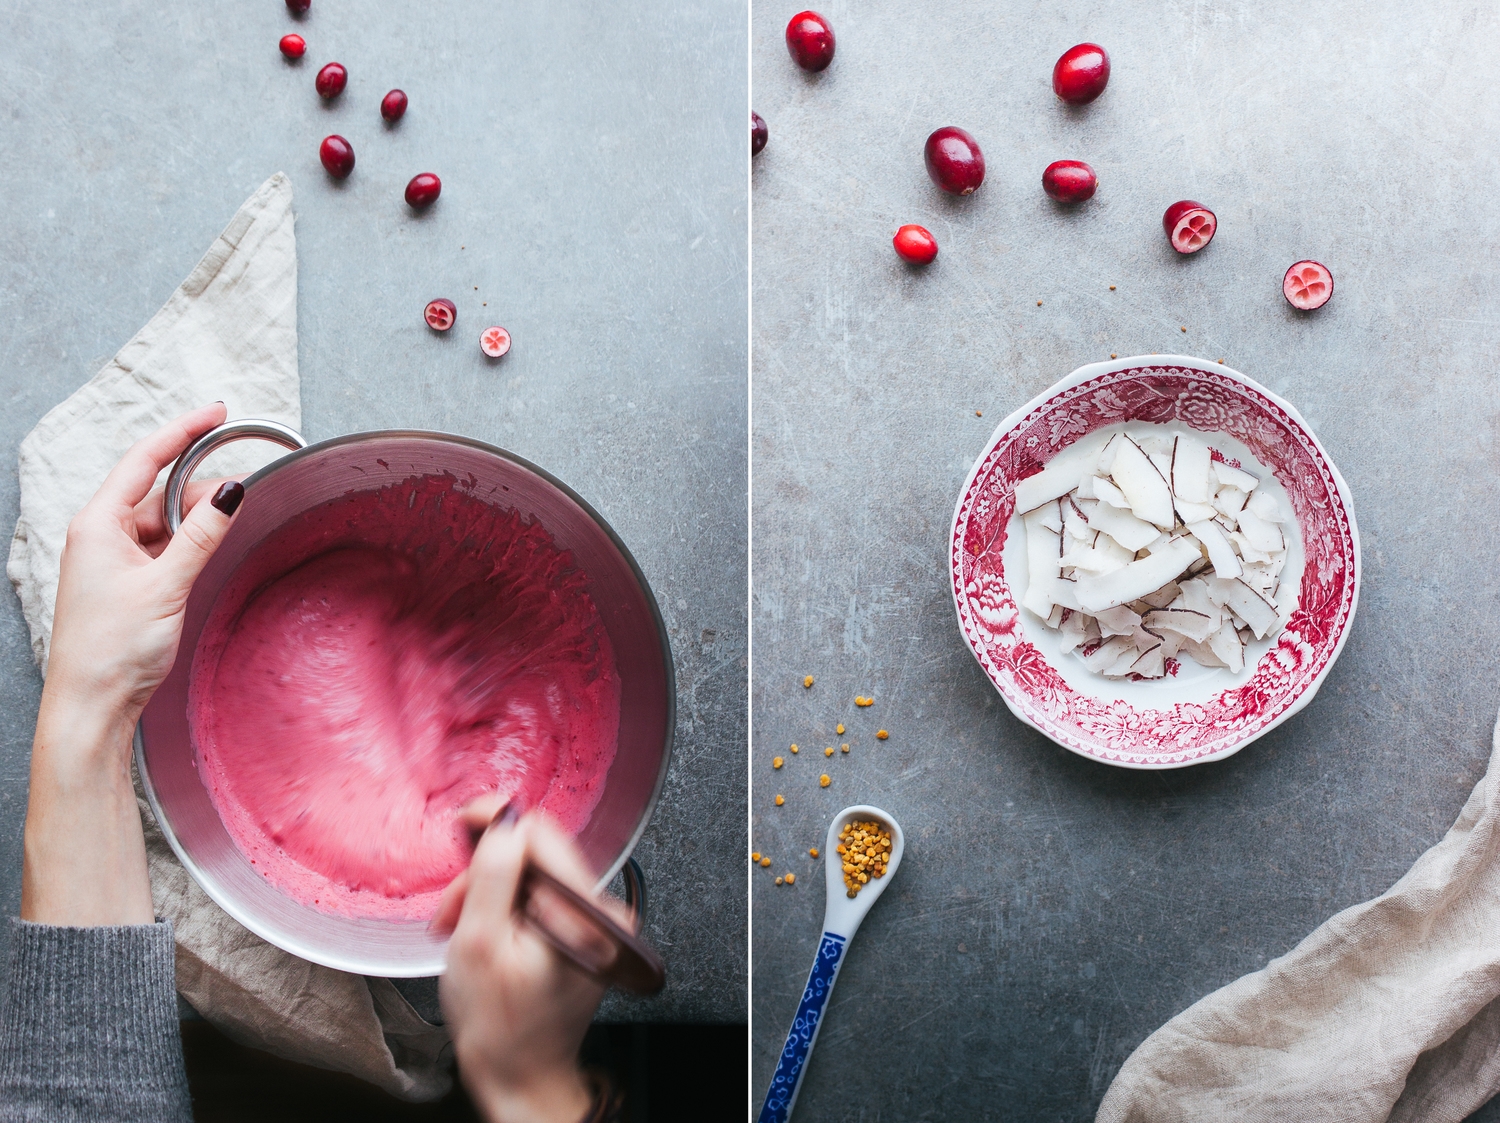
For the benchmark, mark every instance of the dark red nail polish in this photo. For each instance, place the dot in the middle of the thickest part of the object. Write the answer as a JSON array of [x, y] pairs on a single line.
[[229, 496], [507, 815]]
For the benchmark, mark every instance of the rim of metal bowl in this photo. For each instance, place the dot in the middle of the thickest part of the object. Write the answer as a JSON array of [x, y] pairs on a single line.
[[230, 905]]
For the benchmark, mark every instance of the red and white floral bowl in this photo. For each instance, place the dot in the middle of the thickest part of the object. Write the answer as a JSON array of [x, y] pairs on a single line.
[[1203, 714]]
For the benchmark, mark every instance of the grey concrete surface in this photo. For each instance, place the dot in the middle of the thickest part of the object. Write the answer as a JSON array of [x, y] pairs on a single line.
[[1051, 912], [594, 168]]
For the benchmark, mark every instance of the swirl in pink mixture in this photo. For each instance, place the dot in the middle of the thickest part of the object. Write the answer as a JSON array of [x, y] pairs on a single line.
[[378, 662]]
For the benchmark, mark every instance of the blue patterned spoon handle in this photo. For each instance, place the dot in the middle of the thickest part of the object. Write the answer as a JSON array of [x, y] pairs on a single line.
[[804, 1031]]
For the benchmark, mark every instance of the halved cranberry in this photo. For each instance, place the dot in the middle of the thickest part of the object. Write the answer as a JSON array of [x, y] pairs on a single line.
[[393, 105], [1081, 74], [293, 46], [759, 134], [298, 7], [423, 189], [440, 314], [1069, 181], [331, 80], [810, 41], [1189, 225], [337, 155], [914, 244], [954, 161], [1307, 285], [494, 342]]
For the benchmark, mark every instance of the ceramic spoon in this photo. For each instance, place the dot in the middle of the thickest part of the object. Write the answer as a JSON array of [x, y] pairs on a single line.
[[841, 917]]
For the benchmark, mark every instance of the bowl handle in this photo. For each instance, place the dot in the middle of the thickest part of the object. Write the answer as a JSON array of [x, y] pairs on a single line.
[[247, 428]]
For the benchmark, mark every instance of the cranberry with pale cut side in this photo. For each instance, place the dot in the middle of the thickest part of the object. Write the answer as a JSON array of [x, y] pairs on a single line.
[[915, 244], [440, 314], [1069, 181], [1189, 225], [759, 134], [1307, 285], [337, 155], [494, 342], [423, 189], [809, 38], [331, 80], [298, 7], [393, 105], [954, 161], [1081, 74], [293, 46]]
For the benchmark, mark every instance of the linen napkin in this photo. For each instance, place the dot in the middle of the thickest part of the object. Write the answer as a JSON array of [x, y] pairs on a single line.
[[1389, 1011], [228, 333]]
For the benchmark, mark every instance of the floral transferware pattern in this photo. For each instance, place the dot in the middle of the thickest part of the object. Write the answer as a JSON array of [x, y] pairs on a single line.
[[1111, 729]]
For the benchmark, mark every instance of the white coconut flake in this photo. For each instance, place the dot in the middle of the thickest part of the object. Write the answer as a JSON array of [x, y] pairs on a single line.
[[1234, 477], [1062, 473], [1192, 467], [1149, 496]]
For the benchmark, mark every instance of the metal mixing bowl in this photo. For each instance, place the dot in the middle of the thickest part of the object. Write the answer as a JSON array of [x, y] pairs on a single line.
[[363, 462]]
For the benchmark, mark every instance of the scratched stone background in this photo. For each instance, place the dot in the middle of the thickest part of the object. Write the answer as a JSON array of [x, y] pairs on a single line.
[[594, 168], [1051, 912]]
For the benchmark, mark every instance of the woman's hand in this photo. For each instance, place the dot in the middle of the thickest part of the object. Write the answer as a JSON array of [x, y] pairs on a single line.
[[120, 600], [518, 1009]]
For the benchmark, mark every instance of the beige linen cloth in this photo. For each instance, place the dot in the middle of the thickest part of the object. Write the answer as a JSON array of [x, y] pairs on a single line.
[[228, 333], [1389, 1011]]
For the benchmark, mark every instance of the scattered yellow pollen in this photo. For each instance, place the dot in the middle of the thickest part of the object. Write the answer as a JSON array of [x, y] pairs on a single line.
[[813, 853], [824, 780], [791, 879], [780, 800], [794, 748], [755, 855], [777, 763], [844, 748], [839, 728], [765, 861], [828, 751], [881, 735], [807, 682], [778, 881], [864, 701]]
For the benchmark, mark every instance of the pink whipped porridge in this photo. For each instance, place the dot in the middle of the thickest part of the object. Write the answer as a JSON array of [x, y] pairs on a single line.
[[378, 662]]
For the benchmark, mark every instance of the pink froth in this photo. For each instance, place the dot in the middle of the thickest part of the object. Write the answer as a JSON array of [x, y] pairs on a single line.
[[378, 662]]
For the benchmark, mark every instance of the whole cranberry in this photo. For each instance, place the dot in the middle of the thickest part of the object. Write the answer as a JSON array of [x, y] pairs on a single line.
[[1070, 181], [293, 46], [810, 40], [954, 161], [759, 134], [914, 244], [393, 106], [298, 7], [331, 80], [423, 189], [1081, 74], [337, 155]]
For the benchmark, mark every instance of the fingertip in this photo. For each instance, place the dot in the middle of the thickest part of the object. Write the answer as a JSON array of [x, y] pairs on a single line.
[[228, 498]]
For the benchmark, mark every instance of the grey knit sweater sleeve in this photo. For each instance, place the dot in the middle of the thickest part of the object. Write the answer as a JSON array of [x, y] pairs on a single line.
[[89, 1027]]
